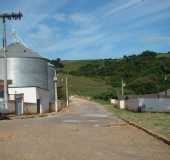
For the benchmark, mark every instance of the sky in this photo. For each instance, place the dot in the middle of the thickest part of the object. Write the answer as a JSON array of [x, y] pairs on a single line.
[[90, 29]]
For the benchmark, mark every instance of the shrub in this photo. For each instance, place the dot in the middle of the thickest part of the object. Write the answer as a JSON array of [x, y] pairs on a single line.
[[106, 95]]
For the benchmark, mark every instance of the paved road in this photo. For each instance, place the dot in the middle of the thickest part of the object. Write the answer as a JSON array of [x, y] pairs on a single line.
[[86, 132]]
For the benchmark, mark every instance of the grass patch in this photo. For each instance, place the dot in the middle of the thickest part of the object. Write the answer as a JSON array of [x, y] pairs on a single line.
[[84, 86], [157, 122]]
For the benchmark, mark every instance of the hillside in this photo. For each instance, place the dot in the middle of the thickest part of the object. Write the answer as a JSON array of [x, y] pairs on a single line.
[[148, 72], [85, 86], [74, 65]]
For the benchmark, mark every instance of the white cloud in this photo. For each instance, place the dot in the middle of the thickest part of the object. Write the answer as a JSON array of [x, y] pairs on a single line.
[[76, 33], [123, 6]]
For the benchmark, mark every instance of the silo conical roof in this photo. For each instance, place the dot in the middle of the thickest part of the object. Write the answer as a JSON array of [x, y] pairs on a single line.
[[17, 49]]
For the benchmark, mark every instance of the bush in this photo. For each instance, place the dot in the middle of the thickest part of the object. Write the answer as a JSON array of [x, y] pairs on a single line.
[[145, 85], [106, 95]]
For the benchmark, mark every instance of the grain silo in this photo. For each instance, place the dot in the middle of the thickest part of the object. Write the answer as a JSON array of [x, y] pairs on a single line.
[[29, 74], [51, 86]]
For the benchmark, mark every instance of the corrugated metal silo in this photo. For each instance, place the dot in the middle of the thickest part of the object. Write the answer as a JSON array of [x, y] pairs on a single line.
[[25, 67], [51, 73]]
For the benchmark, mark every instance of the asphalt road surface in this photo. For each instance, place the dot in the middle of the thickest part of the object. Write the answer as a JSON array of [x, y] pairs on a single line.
[[85, 132]]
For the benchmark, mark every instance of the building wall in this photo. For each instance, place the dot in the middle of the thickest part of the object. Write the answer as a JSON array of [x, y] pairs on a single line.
[[149, 104], [30, 108], [29, 93], [11, 107], [132, 104], [43, 95], [51, 74]]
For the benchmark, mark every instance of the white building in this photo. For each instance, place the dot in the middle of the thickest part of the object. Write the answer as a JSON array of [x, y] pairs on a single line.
[[31, 75]]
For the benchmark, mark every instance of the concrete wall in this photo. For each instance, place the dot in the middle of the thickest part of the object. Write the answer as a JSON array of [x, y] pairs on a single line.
[[149, 104], [61, 104], [31, 94], [30, 108], [156, 105], [11, 107], [52, 107], [132, 104], [43, 95]]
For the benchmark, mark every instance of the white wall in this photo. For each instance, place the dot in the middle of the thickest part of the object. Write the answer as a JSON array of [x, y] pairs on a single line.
[[149, 104], [155, 104], [29, 93]]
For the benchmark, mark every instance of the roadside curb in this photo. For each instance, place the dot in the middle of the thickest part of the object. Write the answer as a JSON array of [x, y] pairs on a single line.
[[15, 117], [153, 134]]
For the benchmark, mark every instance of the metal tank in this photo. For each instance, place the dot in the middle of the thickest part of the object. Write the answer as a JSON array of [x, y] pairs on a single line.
[[51, 73], [25, 67]]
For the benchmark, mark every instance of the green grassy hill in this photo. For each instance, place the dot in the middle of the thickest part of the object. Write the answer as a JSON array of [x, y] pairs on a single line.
[[87, 87], [74, 65], [145, 73], [83, 85]]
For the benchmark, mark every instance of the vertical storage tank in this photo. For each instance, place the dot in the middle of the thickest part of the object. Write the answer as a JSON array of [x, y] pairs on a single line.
[[25, 67], [51, 74], [31, 75]]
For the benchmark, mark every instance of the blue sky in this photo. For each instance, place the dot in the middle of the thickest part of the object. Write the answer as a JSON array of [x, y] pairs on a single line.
[[91, 29]]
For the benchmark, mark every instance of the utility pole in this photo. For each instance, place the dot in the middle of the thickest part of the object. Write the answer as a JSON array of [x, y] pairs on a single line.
[[67, 96], [165, 83], [5, 66], [56, 91], [123, 85], [7, 16]]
